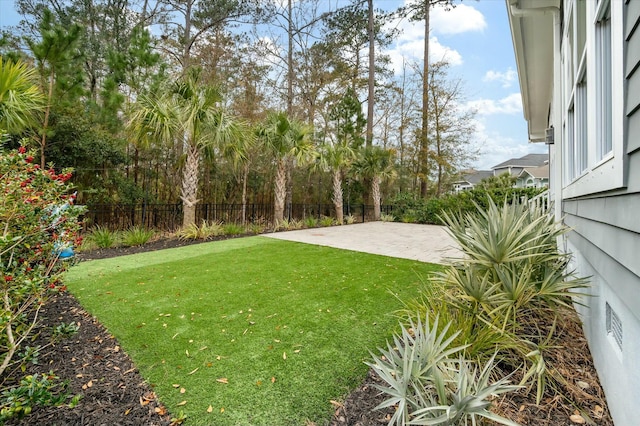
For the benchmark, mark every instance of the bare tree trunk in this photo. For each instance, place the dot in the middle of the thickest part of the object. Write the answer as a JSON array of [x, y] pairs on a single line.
[[45, 125], [337, 195], [190, 186], [375, 193], [372, 76], [245, 176], [280, 191], [424, 134], [290, 60]]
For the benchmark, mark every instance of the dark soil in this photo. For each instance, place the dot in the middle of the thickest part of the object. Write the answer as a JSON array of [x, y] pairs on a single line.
[[114, 393], [112, 390]]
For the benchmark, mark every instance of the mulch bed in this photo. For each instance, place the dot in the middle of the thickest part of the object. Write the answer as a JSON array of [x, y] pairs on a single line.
[[114, 393]]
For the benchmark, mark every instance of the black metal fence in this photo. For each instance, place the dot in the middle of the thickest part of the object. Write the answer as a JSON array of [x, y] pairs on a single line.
[[169, 216]]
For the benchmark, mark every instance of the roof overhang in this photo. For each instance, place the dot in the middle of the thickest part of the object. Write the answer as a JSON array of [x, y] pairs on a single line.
[[531, 23]]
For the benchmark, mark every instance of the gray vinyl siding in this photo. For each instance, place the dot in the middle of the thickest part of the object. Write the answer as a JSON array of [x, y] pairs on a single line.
[[632, 73], [605, 242]]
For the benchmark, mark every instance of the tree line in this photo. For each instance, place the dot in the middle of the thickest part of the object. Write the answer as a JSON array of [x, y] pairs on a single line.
[[233, 101]]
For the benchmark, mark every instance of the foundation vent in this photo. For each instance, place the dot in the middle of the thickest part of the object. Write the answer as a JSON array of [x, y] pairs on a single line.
[[614, 326]]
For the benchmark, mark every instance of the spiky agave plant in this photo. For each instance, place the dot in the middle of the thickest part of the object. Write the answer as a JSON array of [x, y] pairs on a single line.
[[427, 386]]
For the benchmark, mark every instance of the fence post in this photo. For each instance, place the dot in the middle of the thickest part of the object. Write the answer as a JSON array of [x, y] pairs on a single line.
[[363, 211]]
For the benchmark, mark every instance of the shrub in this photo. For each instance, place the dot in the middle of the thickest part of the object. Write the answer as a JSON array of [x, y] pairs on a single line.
[[428, 386], [204, 231], [255, 228], [136, 236], [310, 222], [34, 390], [349, 219], [39, 222], [387, 217], [233, 229], [103, 237], [327, 221], [508, 291]]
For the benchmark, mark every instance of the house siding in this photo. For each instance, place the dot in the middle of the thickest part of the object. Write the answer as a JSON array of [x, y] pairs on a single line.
[[605, 242]]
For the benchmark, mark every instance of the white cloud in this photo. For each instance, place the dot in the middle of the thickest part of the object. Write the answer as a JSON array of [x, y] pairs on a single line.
[[409, 46], [495, 147], [505, 78], [510, 105], [457, 20]]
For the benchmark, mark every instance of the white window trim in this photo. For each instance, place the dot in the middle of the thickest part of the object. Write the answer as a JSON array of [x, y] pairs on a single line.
[[606, 174]]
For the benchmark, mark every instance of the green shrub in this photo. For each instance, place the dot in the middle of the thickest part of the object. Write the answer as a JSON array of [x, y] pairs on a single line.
[[205, 231], [39, 221], [509, 290], [255, 228], [32, 391], [310, 222], [233, 229], [428, 386], [387, 217], [103, 237], [136, 236], [349, 219], [327, 221]]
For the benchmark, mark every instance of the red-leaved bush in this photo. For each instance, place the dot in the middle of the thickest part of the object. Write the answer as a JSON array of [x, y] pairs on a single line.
[[38, 221]]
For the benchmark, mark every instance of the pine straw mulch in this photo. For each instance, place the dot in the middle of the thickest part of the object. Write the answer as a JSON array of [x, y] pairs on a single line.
[[114, 393], [576, 397]]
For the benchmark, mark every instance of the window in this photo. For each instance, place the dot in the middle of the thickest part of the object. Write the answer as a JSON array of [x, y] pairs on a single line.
[[604, 142], [581, 134], [592, 101]]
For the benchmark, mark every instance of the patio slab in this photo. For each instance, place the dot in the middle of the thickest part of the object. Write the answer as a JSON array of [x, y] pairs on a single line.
[[425, 243]]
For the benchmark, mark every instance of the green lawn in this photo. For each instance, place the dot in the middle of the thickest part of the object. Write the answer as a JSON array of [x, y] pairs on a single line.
[[264, 331]]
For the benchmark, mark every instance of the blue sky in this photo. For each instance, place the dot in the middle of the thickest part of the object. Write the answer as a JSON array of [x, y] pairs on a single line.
[[475, 38]]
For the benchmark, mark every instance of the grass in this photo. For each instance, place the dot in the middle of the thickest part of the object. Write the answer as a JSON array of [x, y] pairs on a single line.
[[265, 332]]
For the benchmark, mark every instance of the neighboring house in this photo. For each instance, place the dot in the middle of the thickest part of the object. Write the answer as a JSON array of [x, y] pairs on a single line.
[[470, 179], [515, 166], [533, 177], [579, 69]]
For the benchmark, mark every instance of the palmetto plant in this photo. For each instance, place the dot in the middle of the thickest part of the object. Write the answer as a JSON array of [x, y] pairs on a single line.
[[375, 163], [336, 158], [430, 387], [188, 114], [288, 140], [20, 97], [511, 276]]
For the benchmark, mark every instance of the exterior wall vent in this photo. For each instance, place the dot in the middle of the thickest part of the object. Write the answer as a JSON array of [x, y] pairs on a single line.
[[614, 325]]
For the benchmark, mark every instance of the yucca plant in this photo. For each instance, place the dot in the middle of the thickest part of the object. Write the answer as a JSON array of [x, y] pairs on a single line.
[[512, 275], [136, 236], [349, 219], [103, 237], [428, 387]]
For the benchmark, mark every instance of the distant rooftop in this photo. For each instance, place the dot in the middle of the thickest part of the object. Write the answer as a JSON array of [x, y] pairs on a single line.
[[529, 160], [475, 176]]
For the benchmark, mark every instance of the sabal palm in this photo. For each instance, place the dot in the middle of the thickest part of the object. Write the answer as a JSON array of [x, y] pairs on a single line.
[[336, 158], [287, 140], [20, 98], [188, 114], [375, 163], [239, 152]]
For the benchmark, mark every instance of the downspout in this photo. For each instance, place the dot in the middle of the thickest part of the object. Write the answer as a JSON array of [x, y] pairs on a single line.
[[555, 178]]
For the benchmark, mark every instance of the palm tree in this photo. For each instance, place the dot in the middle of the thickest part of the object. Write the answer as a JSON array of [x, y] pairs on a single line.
[[376, 164], [20, 98], [239, 153], [336, 158], [288, 140], [189, 114]]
